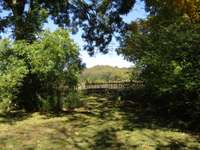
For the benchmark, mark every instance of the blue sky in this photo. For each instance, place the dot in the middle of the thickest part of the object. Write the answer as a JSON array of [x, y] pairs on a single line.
[[111, 58]]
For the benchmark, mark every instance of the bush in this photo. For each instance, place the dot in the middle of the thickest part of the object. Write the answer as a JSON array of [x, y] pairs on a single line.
[[73, 100], [48, 104], [168, 56], [31, 75]]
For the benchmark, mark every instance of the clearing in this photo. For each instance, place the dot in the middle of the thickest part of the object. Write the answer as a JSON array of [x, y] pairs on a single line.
[[100, 125]]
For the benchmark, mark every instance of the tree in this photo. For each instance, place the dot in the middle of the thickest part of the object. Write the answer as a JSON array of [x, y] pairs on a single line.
[[167, 40], [166, 46], [98, 19], [170, 10], [169, 58], [26, 17], [33, 75], [12, 72]]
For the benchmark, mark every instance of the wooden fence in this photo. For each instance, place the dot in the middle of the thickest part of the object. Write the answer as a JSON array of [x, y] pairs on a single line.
[[111, 85]]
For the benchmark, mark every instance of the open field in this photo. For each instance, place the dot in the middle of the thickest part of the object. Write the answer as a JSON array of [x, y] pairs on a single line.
[[100, 125]]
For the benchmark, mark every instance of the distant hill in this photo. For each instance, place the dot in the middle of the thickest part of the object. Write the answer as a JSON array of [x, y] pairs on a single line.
[[105, 73]]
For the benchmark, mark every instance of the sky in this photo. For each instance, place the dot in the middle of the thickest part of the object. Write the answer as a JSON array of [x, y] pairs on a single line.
[[111, 59]]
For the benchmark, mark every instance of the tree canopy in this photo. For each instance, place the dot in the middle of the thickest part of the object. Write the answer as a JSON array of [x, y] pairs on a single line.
[[166, 47], [26, 17], [98, 19], [167, 39]]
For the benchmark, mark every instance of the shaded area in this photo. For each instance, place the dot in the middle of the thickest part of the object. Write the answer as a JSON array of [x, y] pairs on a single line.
[[140, 114], [13, 117], [107, 139], [145, 110], [101, 124]]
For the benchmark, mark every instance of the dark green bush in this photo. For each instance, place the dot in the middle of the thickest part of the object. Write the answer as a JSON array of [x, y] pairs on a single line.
[[168, 57], [73, 100], [36, 76]]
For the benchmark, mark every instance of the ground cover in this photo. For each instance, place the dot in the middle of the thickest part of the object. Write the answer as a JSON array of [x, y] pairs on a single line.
[[100, 124]]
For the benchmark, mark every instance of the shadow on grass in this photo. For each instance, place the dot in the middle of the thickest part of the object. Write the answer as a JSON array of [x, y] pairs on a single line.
[[177, 110], [176, 145], [173, 145], [65, 113], [13, 117], [76, 127], [107, 139], [153, 118]]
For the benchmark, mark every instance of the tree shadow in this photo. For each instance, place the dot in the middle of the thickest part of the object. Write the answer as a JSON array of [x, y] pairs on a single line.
[[135, 117], [172, 146], [14, 116], [145, 109], [106, 139], [176, 145]]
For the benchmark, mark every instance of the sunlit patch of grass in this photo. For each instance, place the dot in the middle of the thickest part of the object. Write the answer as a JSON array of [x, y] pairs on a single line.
[[97, 126], [158, 139]]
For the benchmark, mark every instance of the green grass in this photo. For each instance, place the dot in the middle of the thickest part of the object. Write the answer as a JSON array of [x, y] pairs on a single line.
[[100, 125]]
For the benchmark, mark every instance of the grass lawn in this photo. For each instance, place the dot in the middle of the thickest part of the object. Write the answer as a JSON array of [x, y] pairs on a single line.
[[100, 125]]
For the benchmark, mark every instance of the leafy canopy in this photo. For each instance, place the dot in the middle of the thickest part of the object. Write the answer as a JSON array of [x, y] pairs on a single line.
[[169, 58], [166, 44], [166, 47], [99, 19]]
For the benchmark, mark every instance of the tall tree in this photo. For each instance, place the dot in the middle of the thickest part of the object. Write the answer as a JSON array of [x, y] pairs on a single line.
[[166, 45], [26, 17], [98, 19]]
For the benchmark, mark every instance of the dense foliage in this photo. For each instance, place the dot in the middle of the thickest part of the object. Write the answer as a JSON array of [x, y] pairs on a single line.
[[169, 58], [26, 18], [98, 19], [166, 46], [34, 76]]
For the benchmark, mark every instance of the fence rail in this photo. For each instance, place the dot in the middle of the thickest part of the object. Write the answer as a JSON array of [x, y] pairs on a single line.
[[111, 85]]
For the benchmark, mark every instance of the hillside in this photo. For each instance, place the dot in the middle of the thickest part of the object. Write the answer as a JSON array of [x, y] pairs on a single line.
[[105, 73]]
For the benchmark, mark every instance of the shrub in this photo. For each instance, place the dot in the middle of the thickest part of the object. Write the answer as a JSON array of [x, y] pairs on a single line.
[[31, 73], [73, 100]]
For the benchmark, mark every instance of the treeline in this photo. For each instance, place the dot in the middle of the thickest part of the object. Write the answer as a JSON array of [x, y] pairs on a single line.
[[105, 74]]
